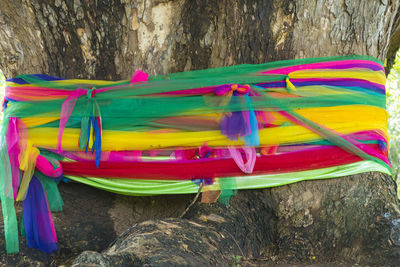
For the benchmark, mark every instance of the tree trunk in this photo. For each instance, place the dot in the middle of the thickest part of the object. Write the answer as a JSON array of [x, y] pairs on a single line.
[[351, 219]]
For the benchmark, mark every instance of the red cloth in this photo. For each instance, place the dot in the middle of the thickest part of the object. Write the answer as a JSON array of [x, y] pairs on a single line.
[[195, 169]]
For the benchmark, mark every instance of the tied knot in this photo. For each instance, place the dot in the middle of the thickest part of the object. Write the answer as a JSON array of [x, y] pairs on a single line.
[[240, 89], [90, 92], [235, 89], [289, 85]]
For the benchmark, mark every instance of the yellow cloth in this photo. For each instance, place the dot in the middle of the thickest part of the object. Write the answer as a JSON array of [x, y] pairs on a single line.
[[342, 119]]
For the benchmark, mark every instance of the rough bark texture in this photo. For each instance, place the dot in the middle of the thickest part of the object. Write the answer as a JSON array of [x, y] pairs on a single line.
[[347, 219], [351, 219], [394, 43]]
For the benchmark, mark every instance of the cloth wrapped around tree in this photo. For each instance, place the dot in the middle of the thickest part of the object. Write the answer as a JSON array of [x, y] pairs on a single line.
[[222, 129]]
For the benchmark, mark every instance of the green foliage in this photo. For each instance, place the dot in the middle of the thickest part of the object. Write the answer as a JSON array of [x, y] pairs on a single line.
[[236, 260], [2, 83], [2, 79], [2, 89], [393, 108]]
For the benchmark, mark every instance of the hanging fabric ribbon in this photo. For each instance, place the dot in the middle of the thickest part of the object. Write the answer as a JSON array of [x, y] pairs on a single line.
[[250, 153], [66, 111], [91, 122], [28, 166], [12, 139], [39, 227], [252, 138], [6, 195], [239, 124], [53, 194], [91, 127]]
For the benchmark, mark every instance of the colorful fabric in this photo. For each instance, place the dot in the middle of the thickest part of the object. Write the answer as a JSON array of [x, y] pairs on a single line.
[[240, 127]]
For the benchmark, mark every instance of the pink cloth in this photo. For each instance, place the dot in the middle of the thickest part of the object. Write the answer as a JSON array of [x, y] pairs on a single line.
[[66, 111], [251, 155]]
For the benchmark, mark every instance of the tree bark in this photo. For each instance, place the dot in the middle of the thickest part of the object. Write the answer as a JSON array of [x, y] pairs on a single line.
[[351, 219]]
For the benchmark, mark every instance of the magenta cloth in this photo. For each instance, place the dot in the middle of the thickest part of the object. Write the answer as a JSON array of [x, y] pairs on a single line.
[[327, 65], [44, 165], [139, 76], [12, 138]]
